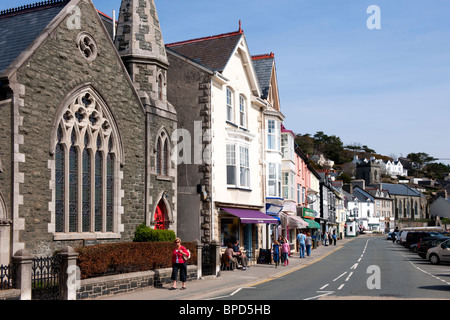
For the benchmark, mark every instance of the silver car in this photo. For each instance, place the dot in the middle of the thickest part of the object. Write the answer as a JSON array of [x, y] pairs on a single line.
[[439, 253]]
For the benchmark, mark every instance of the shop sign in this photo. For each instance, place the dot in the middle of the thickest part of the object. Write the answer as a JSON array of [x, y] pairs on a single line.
[[309, 213]]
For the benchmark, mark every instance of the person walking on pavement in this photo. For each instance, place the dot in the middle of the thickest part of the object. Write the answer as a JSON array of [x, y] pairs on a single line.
[[276, 252], [179, 255], [301, 241], [285, 249], [308, 243], [334, 237]]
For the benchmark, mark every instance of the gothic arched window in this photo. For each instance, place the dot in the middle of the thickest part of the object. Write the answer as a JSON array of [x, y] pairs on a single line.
[[162, 154], [85, 168]]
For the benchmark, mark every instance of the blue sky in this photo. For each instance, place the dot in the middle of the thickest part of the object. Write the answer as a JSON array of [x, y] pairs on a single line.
[[388, 89]]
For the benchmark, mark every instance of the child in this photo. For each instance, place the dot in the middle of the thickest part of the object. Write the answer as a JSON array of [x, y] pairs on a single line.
[[276, 252], [285, 249]]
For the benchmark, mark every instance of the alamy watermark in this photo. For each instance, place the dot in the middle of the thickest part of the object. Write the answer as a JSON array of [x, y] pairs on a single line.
[[374, 21], [374, 280], [74, 20]]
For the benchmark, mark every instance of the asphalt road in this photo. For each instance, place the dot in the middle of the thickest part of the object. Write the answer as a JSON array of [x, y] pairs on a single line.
[[366, 268]]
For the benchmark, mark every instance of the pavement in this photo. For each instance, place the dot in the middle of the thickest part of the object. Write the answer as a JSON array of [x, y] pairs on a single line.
[[230, 282]]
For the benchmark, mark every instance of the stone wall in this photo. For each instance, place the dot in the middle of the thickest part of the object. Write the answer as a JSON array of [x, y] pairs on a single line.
[[52, 72], [12, 294], [189, 88], [113, 285]]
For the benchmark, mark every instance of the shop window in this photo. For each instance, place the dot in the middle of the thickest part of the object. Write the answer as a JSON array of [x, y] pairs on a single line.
[[229, 231]]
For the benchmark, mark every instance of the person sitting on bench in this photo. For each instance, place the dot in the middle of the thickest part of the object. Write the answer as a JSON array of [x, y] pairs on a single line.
[[240, 255]]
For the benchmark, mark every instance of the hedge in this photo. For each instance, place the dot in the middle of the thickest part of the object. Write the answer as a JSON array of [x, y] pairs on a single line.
[[117, 258], [144, 233]]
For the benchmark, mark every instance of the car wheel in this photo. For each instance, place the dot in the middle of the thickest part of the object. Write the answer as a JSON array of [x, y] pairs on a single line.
[[434, 259]]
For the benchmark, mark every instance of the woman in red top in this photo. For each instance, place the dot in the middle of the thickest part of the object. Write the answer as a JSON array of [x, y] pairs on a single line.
[[178, 263]]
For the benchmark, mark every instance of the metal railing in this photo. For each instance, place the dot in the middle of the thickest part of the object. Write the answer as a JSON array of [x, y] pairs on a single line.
[[7, 277], [46, 278]]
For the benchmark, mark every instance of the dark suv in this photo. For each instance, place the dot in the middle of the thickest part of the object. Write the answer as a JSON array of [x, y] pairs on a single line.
[[414, 237]]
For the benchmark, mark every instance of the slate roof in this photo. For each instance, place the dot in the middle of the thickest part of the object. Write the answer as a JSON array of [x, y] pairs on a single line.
[[362, 195], [211, 52], [263, 67], [19, 27], [400, 189]]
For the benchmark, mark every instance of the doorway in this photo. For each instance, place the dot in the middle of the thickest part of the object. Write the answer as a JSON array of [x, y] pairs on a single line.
[[161, 217]]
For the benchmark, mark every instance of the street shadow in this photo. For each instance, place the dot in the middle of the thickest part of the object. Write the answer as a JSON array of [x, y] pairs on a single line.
[[437, 288]]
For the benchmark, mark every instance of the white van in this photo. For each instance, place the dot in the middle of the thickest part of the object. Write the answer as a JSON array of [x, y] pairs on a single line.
[[402, 240]]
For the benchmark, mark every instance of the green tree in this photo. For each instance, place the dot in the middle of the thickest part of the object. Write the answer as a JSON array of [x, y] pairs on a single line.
[[421, 158]]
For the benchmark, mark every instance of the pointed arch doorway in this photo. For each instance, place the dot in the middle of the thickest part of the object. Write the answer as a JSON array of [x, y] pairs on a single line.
[[161, 217]]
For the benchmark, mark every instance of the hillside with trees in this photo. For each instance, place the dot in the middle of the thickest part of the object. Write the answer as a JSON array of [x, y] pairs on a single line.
[[332, 148]]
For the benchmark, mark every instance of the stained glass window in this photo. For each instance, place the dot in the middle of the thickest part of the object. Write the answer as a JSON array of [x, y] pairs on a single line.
[[85, 169], [98, 191], [158, 157], [109, 192], [73, 189], [86, 216], [162, 157], [165, 159], [59, 187]]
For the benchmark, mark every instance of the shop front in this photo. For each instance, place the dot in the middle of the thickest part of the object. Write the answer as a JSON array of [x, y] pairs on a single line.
[[314, 228], [292, 224], [274, 205], [241, 225]]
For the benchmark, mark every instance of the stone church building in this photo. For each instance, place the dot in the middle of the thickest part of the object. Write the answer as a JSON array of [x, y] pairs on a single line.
[[85, 126]]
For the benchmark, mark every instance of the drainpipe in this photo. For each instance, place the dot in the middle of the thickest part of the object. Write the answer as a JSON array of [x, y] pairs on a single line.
[[211, 190]]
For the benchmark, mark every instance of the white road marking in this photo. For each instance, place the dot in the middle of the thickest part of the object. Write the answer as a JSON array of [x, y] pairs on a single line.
[[340, 276], [326, 293], [348, 278]]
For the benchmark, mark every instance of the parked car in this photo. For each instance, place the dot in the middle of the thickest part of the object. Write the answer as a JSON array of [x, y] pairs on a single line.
[[414, 237], [439, 254], [427, 243]]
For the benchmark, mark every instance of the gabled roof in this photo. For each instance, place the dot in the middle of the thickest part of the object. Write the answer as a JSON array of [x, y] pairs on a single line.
[[263, 67], [211, 52], [19, 27], [266, 71], [400, 189], [362, 195]]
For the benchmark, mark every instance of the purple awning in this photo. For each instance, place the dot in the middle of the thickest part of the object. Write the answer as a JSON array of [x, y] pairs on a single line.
[[251, 216]]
